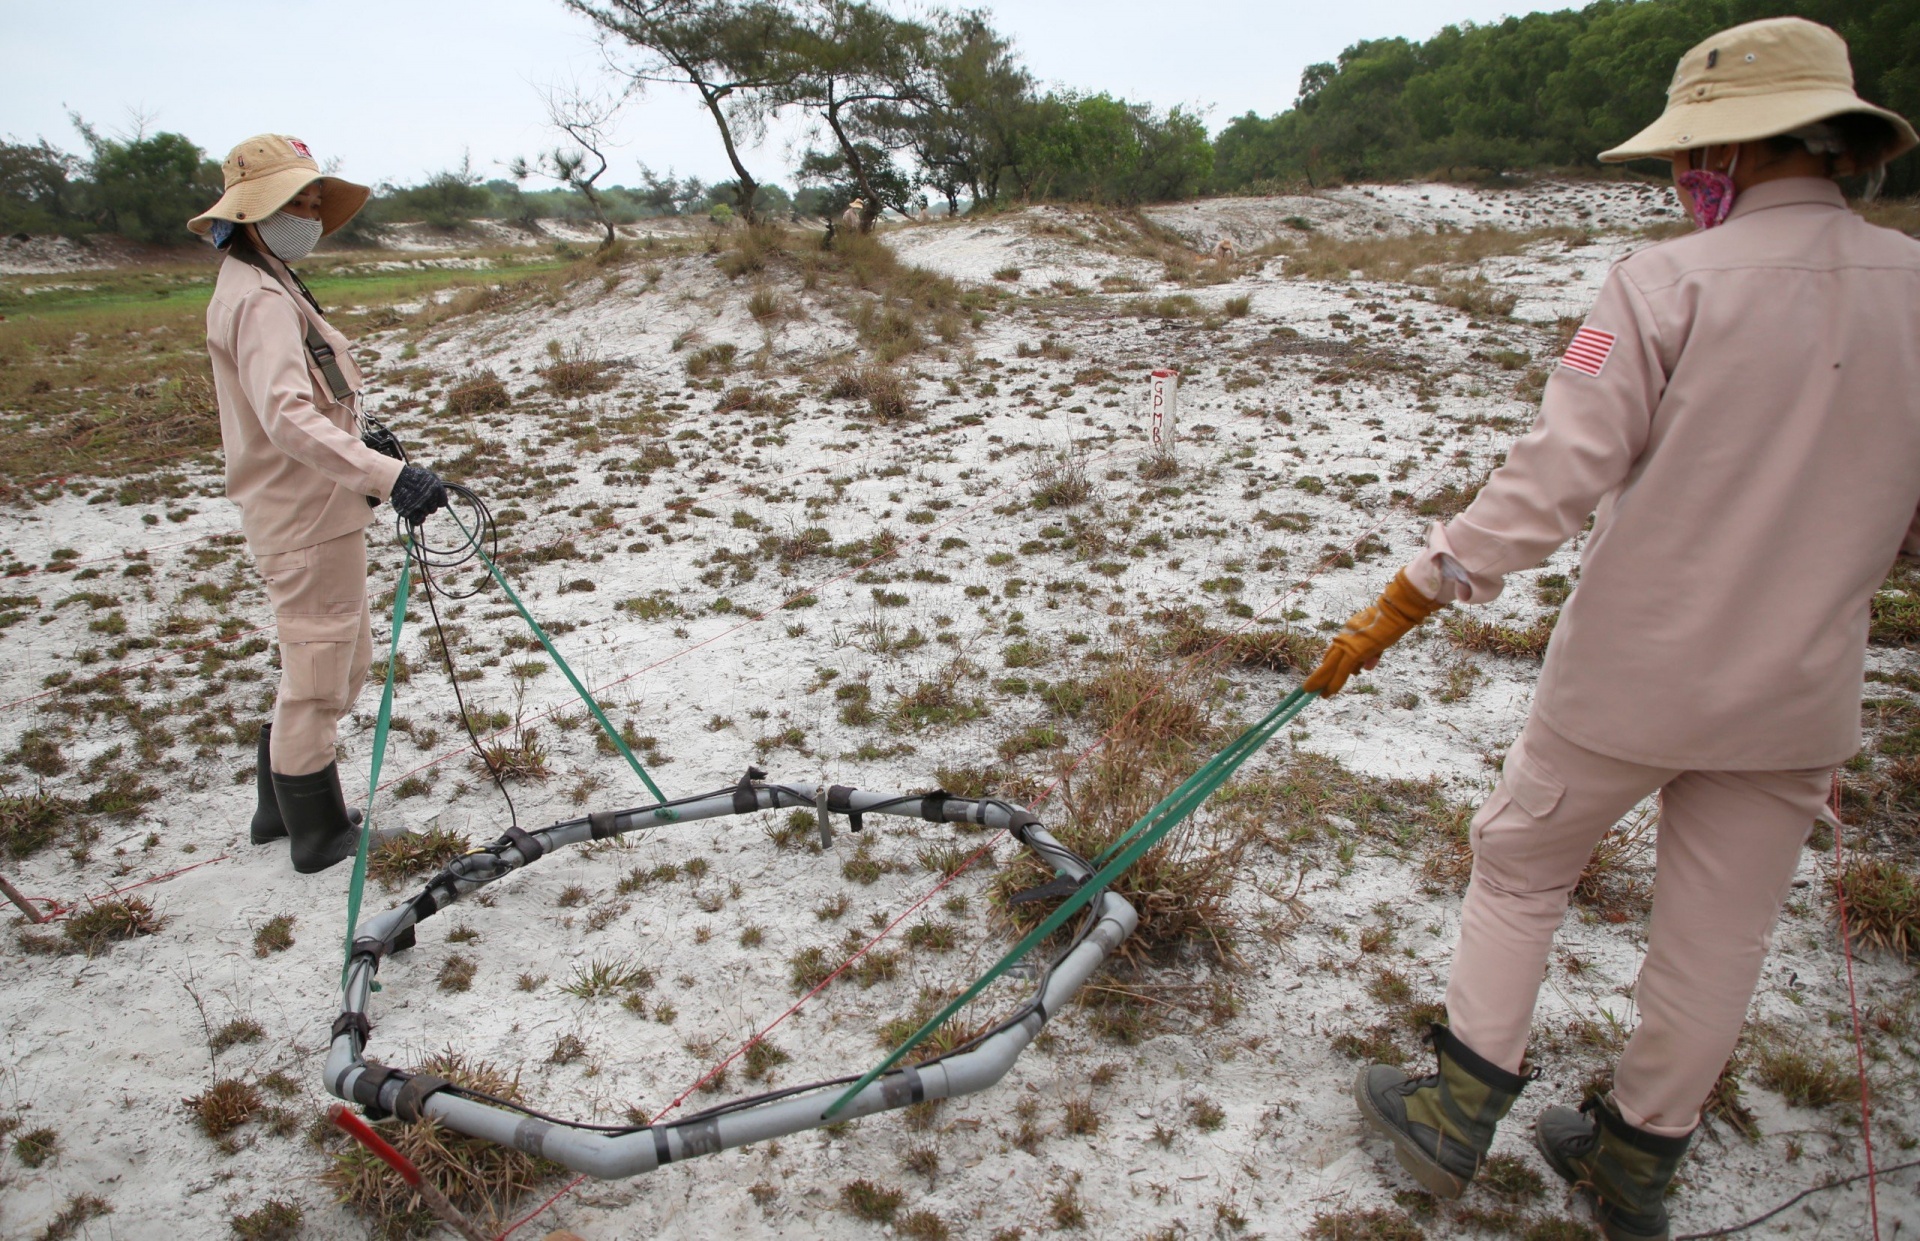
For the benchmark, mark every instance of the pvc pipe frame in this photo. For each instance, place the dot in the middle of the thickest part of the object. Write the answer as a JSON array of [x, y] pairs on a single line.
[[609, 1156]]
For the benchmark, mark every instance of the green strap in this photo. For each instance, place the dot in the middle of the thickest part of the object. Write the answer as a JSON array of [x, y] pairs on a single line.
[[1124, 852], [606, 725], [380, 729]]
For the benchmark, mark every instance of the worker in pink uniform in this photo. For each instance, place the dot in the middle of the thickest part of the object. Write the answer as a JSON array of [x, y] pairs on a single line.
[[1741, 417], [289, 397]]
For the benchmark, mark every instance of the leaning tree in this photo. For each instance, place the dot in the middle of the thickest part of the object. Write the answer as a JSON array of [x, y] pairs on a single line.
[[733, 53]]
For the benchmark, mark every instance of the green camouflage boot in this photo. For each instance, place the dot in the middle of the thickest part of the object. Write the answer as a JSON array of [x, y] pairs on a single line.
[[1441, 1125], [1627, 1170]]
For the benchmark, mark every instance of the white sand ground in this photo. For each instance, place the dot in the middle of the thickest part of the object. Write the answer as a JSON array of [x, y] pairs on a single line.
[[104, 1049]]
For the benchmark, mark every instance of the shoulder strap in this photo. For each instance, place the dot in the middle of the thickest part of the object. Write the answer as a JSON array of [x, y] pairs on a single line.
[[324, 358]]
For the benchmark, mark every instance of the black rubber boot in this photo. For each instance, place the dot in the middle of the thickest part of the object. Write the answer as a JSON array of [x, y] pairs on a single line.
[[315, 812], [268, 826], [1441, 1125], [1626, 1170]]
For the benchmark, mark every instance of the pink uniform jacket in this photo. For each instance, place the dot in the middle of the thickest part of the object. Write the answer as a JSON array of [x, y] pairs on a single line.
[[295, 463], [1749, 445]]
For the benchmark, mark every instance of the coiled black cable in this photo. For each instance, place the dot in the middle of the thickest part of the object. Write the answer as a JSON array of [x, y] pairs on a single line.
[[476, 536]]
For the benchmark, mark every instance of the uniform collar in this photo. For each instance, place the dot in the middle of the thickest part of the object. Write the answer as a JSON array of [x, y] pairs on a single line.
[[1787, 192]]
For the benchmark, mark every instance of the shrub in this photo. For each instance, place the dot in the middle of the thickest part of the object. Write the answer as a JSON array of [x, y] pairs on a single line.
[[479, 392], [881, 387]]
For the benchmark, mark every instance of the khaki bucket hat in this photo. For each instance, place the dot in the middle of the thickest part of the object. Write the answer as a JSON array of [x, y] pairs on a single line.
[[265, 172], [1755, 81]]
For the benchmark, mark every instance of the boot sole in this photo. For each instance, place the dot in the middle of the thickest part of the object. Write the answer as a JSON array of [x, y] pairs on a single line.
[[1609, 1229], [1419, 1165]]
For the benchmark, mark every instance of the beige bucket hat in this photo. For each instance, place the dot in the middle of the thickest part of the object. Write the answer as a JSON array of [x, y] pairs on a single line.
[[1755, 81], [265, 172]]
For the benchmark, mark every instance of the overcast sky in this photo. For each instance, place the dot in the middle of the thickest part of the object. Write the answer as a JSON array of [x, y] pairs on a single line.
[[396, 89]]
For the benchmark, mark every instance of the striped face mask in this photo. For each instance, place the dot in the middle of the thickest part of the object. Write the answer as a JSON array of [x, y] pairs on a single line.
[[290, 237]]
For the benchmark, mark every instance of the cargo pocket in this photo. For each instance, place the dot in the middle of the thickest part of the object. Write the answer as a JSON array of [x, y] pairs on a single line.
[[1532, 784], [316, 655], [279, 570]]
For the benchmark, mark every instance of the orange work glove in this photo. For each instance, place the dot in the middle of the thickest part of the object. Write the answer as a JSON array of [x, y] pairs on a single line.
[[1369, 632]]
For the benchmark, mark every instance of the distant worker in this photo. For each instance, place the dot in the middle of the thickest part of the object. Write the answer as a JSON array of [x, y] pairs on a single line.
[[1224, 254], [1741, 415], [852, 219], [289, 396]]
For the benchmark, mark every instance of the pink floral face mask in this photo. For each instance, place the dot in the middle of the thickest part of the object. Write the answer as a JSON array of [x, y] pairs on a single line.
[[1710, 193]]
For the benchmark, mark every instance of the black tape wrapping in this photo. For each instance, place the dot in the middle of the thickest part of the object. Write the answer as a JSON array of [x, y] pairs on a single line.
[[745, 801], [531, 850], [933, 807], [413, 1095], [366, 1089], [840, 801], [356, 1022], [602, 822]]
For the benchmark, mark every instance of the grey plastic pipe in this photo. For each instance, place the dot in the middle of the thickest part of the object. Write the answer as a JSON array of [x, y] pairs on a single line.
[[610, 1156]]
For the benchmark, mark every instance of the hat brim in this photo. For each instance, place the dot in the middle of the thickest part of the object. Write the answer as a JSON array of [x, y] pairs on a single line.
[[252, 201], [1749, 118]]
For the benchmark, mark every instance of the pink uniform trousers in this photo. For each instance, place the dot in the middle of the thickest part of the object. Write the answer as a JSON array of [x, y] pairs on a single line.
[[319, 597], [1728, 845]]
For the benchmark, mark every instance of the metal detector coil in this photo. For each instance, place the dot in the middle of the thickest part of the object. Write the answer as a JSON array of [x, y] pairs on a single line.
[[611, 1152]]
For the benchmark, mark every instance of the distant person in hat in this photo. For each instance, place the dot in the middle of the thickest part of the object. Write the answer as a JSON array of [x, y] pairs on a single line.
[[289, 396], [1741, 417]]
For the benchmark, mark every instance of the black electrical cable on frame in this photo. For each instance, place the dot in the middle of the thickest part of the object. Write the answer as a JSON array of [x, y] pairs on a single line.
[[428, 557]]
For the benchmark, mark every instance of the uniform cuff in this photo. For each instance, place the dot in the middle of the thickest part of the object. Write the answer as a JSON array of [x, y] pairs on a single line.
[[1475, 549], [382, 476]]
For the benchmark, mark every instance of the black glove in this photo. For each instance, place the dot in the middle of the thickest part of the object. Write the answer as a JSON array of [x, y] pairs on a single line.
[[417, 492]]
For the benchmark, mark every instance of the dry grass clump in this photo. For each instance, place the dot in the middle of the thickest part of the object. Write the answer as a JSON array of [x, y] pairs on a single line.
[[1158, 465], [575, 372], [1449, 501], [225, 1106], [93, 929], [869, 1201], [1061, 480], [1802, 1075], [1372, 1224], [417, 853], [713, 360], [483, 1179], [79, 1210], [1469, 633], [520, 756], [36, 1146], [479, 392], [1883, 905], [883, 388], [1276, 650], [32, 822], [1476, 297], [1415, 258], [276, 1220], [1160, 732]]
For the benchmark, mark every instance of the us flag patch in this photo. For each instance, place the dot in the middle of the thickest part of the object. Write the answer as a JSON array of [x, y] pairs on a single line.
[[1588, 351]]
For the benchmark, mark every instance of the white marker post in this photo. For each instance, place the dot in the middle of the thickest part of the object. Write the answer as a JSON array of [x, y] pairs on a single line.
[[1163, 396]]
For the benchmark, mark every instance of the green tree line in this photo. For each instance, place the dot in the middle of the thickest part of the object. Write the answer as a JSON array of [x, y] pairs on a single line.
[[1544, 91], [939, 105]]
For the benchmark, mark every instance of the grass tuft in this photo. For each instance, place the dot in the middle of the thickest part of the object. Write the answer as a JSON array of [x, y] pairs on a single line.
[[483, 1179], [225, 1106], [870, 1201], [93, 929], [1883, 906]]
